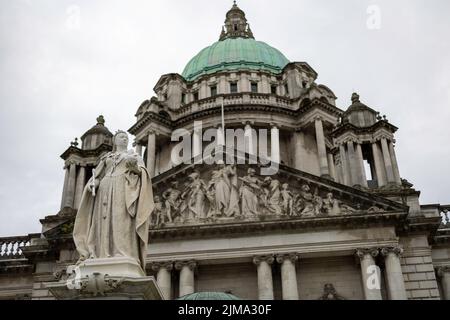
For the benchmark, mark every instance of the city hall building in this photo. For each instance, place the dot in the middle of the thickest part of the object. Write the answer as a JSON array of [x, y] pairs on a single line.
[[334, 216]]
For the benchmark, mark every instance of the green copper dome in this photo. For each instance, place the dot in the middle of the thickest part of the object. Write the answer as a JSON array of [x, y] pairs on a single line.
[[209, 296], [235, 54]]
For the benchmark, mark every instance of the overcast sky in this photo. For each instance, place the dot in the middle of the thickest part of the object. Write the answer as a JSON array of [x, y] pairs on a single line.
[[63, 63]]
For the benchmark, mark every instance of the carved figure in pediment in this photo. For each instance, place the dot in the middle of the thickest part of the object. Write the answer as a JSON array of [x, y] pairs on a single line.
[[195, 195], [158, 215], [346, 209], [233, 206], [223, 194], [317, 203], [305, 202], [287, 199], [331, 205], [375, 209], [172, 201], [211, 193], [272, 196], [249, 191]]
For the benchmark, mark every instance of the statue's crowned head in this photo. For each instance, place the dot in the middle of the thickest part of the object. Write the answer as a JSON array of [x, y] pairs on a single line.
[[120, 140]]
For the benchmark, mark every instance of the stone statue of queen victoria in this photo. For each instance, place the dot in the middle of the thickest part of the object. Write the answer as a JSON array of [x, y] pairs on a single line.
[[113, 217]]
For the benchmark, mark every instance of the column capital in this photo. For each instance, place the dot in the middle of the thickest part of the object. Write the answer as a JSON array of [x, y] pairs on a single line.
[[265, 258], [151, 132], [156, 266], [361, 253], [397, 250], [273, 125], [442, 270], [192, 264], [71, 163], [318, 118], [288, 256]]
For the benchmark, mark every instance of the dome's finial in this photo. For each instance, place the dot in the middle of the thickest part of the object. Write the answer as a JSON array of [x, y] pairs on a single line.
[[101, 120], [236, 25], [355, 97]]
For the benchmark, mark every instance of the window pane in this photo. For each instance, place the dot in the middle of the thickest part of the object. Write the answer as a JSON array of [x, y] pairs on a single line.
[[233, 87], [273, 89], [254, 87]]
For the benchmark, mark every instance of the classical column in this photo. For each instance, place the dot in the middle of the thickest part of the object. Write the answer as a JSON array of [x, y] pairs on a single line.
[[197, 144], [288, 276], [81, 180], [444, 274], [345, 167], [352, 163], [66, 182], [139, 148], [151, 153], [186, 276], [244, 84], [299, 150], [394, 163], [321, 148], [275, 144], [394, 275], [164, 277], [71, 186], [387, 160], [379, 165], [370, 273], [250, 140], [362, 178], [339, 170], [331, 167], [265, 282]]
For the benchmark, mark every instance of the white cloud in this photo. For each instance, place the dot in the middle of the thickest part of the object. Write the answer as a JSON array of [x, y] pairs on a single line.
[[56, 80]]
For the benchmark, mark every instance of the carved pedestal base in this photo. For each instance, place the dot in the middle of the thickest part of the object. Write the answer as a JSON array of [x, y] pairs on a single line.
[[106, 279]]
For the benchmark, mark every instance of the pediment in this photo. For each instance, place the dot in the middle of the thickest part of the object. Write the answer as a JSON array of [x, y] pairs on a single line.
[[202, 194]]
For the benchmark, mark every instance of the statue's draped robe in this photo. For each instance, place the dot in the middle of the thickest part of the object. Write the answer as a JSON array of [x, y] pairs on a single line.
[[248, 196], [227, 195], [116, 221]]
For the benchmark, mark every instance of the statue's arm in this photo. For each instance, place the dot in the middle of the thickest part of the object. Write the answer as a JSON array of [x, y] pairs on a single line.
[[99, 173]]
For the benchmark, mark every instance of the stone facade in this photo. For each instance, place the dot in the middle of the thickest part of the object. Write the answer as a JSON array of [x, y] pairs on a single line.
[[312, 230]]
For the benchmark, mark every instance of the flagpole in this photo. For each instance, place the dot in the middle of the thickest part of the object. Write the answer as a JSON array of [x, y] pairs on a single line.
[[223, 122]]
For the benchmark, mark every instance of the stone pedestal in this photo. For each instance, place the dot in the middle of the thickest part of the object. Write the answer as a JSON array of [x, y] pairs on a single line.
[[118, 278]]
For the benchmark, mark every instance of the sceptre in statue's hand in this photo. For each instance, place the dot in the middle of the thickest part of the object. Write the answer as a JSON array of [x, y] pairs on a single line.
[[93, 183]]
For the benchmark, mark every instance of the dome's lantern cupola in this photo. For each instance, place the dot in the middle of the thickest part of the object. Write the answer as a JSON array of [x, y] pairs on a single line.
[[236, 25]]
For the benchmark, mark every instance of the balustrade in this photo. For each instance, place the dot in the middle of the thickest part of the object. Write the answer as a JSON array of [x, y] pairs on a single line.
[[233, 99], [11, 247]]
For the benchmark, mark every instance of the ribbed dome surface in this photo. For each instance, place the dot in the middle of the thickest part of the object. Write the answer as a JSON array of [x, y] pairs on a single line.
[[235, 54], [209, 296]]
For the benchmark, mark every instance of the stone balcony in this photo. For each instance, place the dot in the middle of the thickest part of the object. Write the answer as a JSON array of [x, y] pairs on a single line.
[[234, 99]]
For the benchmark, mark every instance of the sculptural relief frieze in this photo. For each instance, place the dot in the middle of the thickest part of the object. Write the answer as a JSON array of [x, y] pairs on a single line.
[[226, 195]]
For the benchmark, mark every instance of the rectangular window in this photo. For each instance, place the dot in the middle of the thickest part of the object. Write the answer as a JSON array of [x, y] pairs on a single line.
[[254, 87], [183, 98], [273, 89], [286, 89], [195, 96], [233, 87], [213, 91]]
